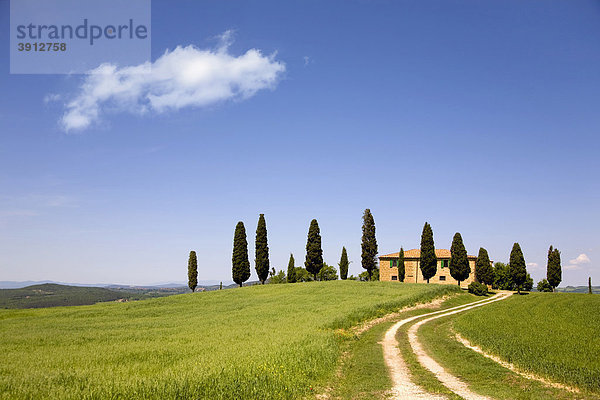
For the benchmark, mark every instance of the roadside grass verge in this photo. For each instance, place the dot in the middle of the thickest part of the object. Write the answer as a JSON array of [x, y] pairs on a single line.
[[271, 341], [554, 335]]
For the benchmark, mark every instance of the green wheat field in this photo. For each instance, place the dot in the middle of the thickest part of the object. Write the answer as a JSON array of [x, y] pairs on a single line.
[[556, 335], [271, 341]]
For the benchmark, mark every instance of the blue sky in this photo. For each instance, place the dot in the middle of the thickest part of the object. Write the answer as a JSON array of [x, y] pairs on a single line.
[[478, 117]]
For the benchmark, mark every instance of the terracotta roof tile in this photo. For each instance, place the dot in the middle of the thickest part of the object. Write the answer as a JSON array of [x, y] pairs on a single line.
[[416, 253]]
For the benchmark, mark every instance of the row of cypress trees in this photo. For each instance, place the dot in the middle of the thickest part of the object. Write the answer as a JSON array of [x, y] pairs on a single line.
[[484, 271], [240, 264], [314, 252]]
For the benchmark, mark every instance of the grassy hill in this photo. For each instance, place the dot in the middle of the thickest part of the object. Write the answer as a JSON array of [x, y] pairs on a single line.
[[552, 334], [52, 295], [271, 341]]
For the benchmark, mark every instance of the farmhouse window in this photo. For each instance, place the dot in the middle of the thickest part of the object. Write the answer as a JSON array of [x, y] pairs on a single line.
[[394, 278], [442, 278]]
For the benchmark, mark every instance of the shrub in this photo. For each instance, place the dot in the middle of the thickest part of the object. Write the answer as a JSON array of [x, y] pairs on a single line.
[[327, 273], [302, 275], [544, 286], [277, 277], [364, 276], [528, 284], [478, 289]]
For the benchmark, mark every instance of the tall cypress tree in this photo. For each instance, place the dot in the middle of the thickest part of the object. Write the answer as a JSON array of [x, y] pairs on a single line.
[[192, 271], [314, 252], [344, 263], [427, 259], [401, 267], [241, 266], [369, 243], [261, 260], [459, 261], [291, 271], [484, 272], [554, 269], [516, 267]]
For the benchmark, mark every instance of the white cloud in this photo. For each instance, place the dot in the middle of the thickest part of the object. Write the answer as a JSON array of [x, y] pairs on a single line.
[[52, 97], [532, 265], [184, 77], [578, 261]]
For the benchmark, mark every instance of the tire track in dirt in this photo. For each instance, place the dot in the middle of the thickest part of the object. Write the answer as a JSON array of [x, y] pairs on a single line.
[[403, 385], [446, 378]]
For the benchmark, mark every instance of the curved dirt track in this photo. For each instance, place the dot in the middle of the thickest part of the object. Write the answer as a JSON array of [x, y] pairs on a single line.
[[403, 386], [450, 381]]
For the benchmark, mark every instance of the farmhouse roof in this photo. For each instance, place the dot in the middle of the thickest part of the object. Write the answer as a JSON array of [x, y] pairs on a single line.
[[416, 253]]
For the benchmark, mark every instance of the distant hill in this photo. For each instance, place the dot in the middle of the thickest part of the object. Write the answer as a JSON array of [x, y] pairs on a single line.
[[53, 295], [203, 283], [578, 289]]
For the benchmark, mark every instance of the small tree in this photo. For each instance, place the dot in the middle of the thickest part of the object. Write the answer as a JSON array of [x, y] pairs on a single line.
[[261, 260], [544, 286], [401, 267], [302, 275], [427, 259], [291, 271], [554, 269], [327, 273], [516, 266], [192, 271], [459, 261], [241, 266], [364, 276], [314, 252], [502, 279], [369, 243], [278, 277], [343, 264], [484, 273], [528, 284], [590, 285]]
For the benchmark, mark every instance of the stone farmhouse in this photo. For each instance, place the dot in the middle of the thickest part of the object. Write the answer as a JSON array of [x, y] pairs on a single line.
[[388, 268]]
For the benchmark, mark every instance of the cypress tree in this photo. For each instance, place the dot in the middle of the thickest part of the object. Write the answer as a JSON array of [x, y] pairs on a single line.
[[261, 260], [590, 285], [553, 269], [427, 259], [401, 267], [239, 259], [314, 252], [192, 271], [516, 267], [459, 261], [344, 263], [291, 271], [369, 243], [484, 272]]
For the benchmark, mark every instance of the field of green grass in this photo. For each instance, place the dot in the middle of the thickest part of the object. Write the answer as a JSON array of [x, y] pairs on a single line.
[[272, 341], [555, 335]]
